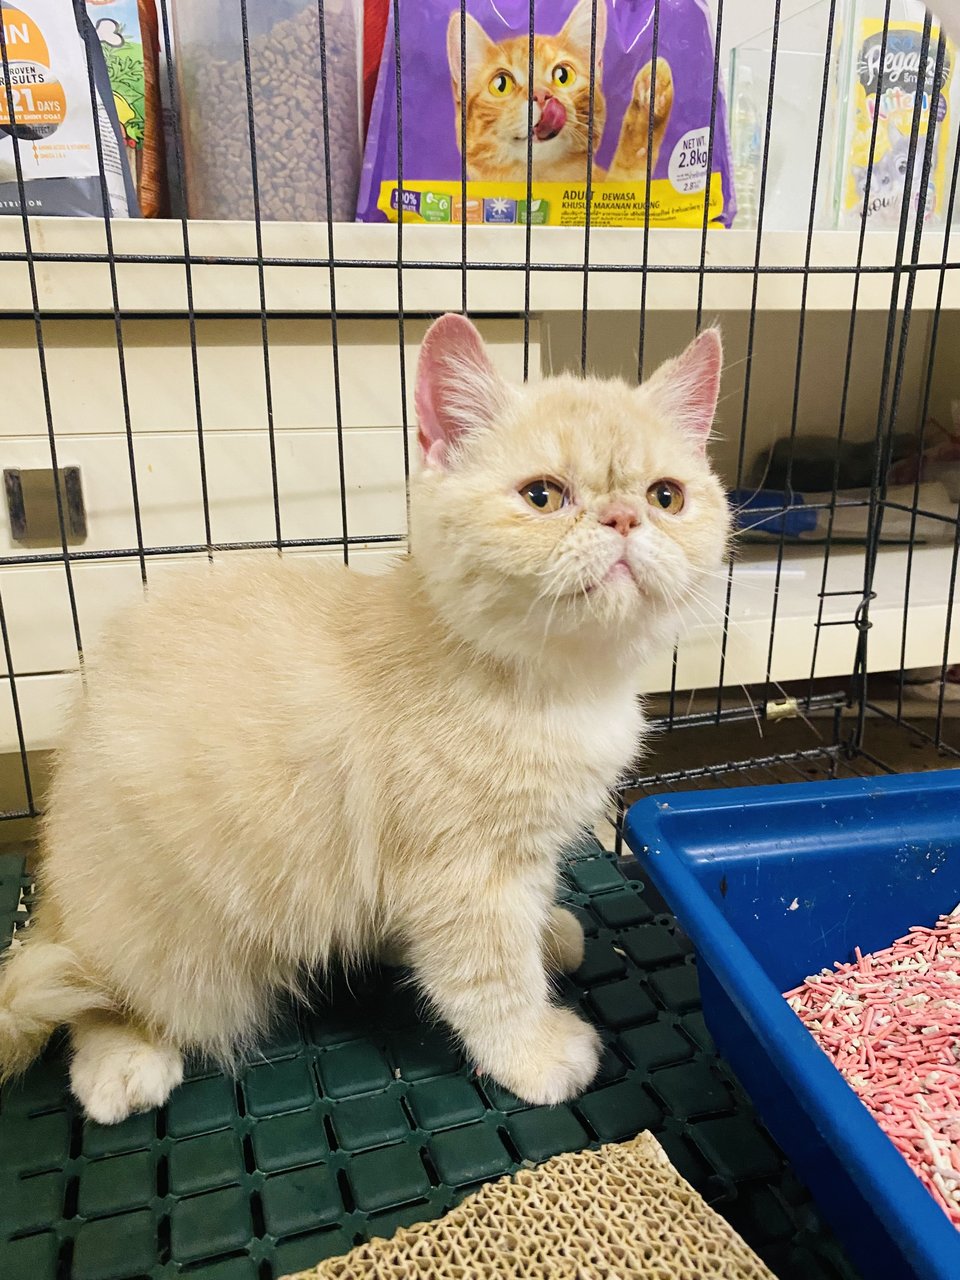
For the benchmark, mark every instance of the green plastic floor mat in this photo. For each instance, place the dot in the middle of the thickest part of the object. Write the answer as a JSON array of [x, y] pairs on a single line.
[[361, 1116]]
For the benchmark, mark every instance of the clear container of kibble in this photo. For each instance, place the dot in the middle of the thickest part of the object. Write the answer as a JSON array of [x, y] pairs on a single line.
[[280, 83]]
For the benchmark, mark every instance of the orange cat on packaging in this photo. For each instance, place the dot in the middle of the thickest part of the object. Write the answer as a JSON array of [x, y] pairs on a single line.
[[469, 107]]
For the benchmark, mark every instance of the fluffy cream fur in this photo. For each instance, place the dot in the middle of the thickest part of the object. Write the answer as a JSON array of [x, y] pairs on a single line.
[[277, 762]]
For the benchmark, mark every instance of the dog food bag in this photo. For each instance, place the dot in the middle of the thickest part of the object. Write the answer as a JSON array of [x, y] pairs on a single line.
[[888, 89], [287, 100], [129, 37], [636, 111], [51, 53]]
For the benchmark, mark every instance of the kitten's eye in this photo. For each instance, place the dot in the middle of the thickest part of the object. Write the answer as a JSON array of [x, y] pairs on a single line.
[[563, 74], [502, 84], [666, 495], [545, 496]]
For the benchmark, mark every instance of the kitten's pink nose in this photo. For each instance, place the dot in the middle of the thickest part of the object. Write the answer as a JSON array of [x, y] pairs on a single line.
[[620, 517]]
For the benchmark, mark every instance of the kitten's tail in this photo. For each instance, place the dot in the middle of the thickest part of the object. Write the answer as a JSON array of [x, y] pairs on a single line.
[[41, 986]]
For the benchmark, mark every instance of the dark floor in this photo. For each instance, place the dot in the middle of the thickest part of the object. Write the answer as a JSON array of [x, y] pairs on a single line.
[[888, 747], [361, 1117]]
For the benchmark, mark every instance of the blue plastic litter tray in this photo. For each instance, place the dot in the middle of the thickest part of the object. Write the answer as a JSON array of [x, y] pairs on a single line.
[[772, 884]]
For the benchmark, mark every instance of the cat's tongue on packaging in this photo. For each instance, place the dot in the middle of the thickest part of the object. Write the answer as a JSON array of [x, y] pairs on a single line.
[[553, 117]]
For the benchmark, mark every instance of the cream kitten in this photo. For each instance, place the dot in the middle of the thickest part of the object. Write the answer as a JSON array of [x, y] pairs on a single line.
[[278, 762]]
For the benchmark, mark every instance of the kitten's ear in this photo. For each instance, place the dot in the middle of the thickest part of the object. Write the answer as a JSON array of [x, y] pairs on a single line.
[[686, 388], [576, 30], [458, 389], [479, 48]]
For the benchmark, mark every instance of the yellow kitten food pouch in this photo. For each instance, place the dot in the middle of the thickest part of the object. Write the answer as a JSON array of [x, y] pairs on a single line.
[[601, 117], [883, 84]]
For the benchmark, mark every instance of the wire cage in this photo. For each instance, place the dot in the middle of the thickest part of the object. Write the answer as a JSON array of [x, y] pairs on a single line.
[[213, 385], [225, 385], [238, 375]]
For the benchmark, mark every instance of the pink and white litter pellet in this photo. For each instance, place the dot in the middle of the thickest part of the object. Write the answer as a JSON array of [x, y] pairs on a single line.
[[890, 1021]]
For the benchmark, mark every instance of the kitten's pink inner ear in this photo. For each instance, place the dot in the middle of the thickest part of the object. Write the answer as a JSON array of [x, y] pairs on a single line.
[[707, 353], [455, 386], [688, 387]]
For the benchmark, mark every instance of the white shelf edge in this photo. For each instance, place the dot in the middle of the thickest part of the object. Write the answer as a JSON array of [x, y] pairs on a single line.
[[367, 276]]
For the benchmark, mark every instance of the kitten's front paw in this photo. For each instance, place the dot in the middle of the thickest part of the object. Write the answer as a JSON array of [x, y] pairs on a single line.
[[556, 1065], [564, 941], [116, 1084]]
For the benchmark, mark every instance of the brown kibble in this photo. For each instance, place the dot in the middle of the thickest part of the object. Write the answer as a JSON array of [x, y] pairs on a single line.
[[287, 99]]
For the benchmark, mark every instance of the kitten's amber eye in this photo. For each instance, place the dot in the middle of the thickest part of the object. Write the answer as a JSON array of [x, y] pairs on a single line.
[[544, 495], [666, 495], [502, 84], [563, 74]]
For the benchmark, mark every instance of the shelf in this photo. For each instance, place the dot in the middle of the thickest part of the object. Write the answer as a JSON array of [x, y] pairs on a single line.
[[72, 274], [101, 588], [297, 277], [752, 603]]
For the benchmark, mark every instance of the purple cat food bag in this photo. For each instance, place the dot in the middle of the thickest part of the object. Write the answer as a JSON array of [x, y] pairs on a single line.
[[494, 91]]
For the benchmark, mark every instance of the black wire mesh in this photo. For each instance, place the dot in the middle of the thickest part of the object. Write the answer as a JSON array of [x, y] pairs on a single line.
[[557, 295]]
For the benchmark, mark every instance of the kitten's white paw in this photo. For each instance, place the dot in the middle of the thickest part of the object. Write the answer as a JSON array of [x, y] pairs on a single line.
[[114, 1083], [557, 1066], [565, 943]]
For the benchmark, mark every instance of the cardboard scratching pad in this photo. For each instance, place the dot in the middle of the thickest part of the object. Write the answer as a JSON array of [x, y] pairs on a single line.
[[622, 1210]]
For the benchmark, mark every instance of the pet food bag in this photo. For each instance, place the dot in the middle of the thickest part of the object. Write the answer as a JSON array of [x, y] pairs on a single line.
[[889, 91], [285, 99], [129, 37], [51, 52], [375, 15], [633, 107]]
